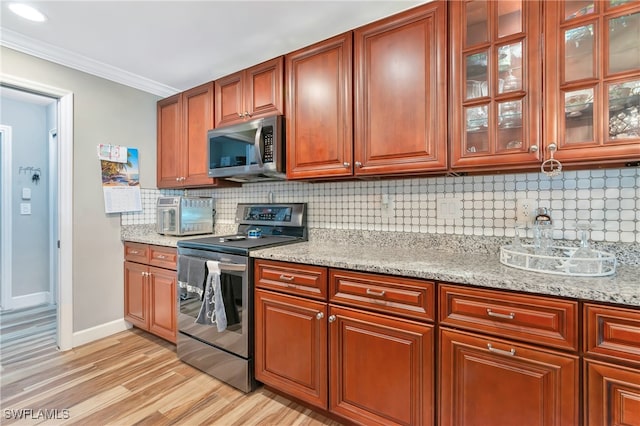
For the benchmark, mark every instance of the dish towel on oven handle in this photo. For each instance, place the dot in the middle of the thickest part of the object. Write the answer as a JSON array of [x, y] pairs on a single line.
[[212, 309]]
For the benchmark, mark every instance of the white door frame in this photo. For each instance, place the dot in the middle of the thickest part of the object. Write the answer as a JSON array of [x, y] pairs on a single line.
[[65, 200], [5, 216], [53, 183]]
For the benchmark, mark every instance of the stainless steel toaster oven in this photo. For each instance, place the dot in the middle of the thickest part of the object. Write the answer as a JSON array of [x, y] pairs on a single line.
[[184, 215]]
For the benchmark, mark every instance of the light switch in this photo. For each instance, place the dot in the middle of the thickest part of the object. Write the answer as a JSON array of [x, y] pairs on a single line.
[[25, 208], [26, 193]]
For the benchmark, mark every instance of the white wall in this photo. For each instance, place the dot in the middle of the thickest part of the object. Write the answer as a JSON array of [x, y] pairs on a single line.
[[104, 112]]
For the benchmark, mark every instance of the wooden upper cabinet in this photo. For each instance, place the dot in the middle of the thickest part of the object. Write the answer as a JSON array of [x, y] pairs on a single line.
[[496, 84], [251, 93], [183, 122], [592, 81], [169, 167], [320, 109], [401, 93]]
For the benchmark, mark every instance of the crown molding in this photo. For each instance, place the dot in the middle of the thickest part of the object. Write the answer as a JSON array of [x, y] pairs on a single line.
[[30, 46]]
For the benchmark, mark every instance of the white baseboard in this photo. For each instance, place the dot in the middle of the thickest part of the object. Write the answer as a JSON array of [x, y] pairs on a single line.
[[98, 332], [29, 300]]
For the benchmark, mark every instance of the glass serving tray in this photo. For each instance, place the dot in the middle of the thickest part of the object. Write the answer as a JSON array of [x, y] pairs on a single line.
[[560, 262]]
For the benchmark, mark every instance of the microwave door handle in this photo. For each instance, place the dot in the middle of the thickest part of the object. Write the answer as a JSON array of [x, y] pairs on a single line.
[[258, 145]]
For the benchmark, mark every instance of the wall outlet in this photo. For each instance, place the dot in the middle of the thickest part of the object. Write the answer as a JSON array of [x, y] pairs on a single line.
[[525, 209], [449, 208]]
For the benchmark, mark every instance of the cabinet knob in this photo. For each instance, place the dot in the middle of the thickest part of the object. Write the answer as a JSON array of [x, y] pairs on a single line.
[[332, 318], [533, 148], [346, 164], [246, 114], [319, 315], [358, 164], [240, 115]]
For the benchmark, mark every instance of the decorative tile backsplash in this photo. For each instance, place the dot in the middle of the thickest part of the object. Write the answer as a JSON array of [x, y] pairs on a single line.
[[609, 199]]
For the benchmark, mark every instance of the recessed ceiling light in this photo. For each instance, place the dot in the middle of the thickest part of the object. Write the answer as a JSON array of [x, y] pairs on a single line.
[[27, 12]]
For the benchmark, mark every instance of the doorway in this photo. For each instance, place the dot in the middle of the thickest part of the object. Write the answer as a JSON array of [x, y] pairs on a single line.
[[29, 208], [55, 178]]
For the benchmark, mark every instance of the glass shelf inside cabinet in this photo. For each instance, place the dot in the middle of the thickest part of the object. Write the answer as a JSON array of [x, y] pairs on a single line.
[[624, 110]]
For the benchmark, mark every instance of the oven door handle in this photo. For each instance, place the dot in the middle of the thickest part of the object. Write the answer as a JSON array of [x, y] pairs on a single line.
[[232, 266]]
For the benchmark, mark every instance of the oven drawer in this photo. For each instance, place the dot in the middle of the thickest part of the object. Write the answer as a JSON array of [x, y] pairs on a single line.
[[163, 257], [136, 252], [613, 332], [408, 297], [293, 278], [529, 318]]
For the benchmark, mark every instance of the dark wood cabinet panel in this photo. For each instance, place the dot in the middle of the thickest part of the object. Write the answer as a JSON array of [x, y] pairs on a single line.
[[163, 303], [400, 93], [383, 293], [493, 381], [496, 85], [169, 165], [251, 93], [150, 292], [612, 394], [136, 301], [381, 368], [293, 278], [291, 346], [320, 122], [612, 332], [592, 82], [183, 122], [532, 319]]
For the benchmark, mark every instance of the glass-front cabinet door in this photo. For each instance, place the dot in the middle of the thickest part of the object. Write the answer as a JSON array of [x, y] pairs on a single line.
[[496, 78], [592, 80]]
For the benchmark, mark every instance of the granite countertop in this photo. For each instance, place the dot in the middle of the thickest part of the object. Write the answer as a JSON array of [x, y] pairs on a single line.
[[477, 269], [449, 258]]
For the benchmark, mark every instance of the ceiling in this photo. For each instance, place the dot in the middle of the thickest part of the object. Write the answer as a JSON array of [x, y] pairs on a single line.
[[165, 47]]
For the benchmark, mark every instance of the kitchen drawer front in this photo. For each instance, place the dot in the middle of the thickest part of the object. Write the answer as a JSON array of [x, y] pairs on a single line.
[[408, 297], [293, 278], [612, 332], [136, 252], [163, 257], [528, 318]]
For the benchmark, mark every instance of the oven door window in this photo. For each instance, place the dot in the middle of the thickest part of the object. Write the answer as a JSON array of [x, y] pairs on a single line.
[[233, 285]]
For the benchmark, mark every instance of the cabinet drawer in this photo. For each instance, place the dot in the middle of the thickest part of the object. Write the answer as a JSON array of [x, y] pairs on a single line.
[[293, 278], [529, 318], [163, 257], [388, 294], [614, 332], [136, 252]]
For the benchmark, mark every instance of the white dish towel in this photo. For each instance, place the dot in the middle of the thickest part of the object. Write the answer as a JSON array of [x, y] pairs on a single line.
[[212, 309]]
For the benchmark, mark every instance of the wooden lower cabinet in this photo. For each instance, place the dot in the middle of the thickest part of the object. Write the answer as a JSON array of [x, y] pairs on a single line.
[[150, 292], [490, 381], [612, 394], [380, 368], [291, 345]]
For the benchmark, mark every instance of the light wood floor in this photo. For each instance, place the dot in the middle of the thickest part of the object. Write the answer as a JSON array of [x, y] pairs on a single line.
[[134, 378]]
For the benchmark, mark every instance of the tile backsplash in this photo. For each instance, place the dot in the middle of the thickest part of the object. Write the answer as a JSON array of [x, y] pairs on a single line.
[[609, 199]]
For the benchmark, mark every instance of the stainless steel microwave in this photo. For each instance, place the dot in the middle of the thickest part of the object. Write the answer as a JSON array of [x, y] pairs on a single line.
[[248, 152]]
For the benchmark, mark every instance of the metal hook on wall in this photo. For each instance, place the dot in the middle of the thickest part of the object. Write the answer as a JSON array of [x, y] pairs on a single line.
[[34, 171]]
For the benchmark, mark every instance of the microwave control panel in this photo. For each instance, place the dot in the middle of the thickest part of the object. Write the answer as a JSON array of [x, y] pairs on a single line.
[[267, 155]]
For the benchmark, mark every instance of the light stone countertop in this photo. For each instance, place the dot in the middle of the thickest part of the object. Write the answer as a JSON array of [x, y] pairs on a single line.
[[449, 258], [479, 269]]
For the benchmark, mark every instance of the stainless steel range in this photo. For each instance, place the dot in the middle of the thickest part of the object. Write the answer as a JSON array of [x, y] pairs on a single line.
[[215, 289]]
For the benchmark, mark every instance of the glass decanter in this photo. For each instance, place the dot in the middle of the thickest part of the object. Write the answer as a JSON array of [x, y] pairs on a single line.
[[519, 252], [584, 260]]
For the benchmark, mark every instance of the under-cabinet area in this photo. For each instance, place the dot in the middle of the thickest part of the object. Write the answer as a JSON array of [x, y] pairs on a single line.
[[384, 349]]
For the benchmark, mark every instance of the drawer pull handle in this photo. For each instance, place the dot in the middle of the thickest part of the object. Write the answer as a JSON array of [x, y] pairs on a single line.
[[161, 256], [319, 315], [375, 293], [512, 352], [284, 277], [134, 252], [510, 315]]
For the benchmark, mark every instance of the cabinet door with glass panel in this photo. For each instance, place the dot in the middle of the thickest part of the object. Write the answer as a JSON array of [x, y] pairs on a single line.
[[496, 78], [592, 80]]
